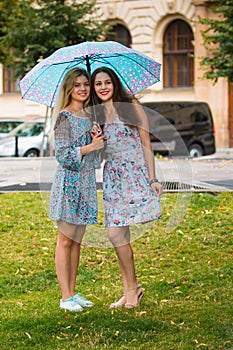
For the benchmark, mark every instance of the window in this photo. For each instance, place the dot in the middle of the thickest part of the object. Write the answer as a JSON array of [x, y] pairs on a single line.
[[8, 125], [29, 129], [177, 64], [10, 84], [120, 34]]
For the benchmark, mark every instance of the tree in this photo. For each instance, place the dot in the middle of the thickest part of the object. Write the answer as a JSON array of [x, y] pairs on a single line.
[[218, 41], [32, 30], [6, 7]]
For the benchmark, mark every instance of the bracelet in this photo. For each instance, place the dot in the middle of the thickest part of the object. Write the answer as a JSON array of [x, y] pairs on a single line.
[[153, 181]]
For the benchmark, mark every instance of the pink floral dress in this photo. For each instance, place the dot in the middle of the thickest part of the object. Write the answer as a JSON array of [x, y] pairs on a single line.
[[128, 198]]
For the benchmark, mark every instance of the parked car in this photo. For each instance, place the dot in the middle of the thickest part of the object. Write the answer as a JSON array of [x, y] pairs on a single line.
[[181, 128], [7, 125], [25, 140]]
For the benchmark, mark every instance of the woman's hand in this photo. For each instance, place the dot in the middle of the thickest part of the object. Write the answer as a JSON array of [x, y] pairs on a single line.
[[96, 129], [157, 187], [96, 144], [98, 141]]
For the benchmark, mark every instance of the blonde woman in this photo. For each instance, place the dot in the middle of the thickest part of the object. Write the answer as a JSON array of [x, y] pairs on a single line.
[[73, 201]]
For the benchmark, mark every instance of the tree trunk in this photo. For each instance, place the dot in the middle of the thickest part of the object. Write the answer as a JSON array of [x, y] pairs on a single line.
[[230, 114]]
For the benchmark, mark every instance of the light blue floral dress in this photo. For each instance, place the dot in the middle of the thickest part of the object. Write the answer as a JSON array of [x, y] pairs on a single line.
[[73, 196], [128, 198]]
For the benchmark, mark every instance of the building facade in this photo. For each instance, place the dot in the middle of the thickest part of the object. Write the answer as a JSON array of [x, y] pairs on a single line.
[[169, 32]]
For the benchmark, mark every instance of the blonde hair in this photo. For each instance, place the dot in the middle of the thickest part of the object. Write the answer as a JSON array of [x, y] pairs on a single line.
[[65, 90]]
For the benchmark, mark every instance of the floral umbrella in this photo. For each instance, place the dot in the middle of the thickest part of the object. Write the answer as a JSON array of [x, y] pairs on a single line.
[[136, 70]]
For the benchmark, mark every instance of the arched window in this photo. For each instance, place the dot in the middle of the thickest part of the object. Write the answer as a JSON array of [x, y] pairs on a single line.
[[120, 34], [178, 66]]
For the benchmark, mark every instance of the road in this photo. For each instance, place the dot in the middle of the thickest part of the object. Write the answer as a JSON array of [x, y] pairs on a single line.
[[213, 173]]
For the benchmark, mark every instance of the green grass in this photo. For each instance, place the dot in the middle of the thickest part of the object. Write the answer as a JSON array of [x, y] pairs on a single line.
[[186, 274]]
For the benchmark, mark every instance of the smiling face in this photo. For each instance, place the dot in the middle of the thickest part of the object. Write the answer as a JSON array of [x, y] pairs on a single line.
[[103, 86], [81, 89]]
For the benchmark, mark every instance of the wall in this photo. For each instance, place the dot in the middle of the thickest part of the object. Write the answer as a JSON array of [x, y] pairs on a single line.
[[12, 105], [147, 21]]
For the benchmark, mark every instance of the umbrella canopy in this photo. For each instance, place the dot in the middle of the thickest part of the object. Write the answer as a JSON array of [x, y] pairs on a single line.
[[136, 70]]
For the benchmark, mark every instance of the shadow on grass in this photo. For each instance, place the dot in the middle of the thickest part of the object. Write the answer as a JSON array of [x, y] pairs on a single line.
[[101, 328], [92, 328]]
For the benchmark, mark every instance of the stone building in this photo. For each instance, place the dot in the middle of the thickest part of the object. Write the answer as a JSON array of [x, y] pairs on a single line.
[[169, 32]]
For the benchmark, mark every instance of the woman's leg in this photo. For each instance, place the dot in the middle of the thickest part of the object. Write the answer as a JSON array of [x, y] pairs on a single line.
[[67, 260], [120, 238], [63, 262], [74, 264], [75, 256], [122, 301]]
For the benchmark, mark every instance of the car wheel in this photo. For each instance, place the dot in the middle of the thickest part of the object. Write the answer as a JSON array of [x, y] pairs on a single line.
[[32, 153], [195, 151]]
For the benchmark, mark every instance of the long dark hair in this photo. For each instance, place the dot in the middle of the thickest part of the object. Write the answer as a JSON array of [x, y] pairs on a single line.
[[122, 99]]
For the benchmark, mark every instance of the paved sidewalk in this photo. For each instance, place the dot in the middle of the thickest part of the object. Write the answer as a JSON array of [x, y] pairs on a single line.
[[209, 173], [221, 153]]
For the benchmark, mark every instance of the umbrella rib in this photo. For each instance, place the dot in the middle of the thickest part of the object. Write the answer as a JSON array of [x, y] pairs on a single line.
[[33, 82], [48, 67], [141, 65], [114, 68], [132, 59], [105, 60]]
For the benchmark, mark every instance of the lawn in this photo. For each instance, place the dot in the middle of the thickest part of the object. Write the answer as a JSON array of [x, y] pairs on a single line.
[[186, 272]]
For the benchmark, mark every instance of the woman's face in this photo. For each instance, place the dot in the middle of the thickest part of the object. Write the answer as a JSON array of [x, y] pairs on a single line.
[[104, 87], [81, 89]]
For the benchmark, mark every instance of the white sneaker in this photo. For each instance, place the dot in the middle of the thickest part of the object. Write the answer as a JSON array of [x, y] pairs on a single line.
[[82, 301], [71, 305]]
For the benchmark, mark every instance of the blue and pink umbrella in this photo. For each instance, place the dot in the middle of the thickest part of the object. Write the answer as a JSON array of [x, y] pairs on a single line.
[[136, 70]]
